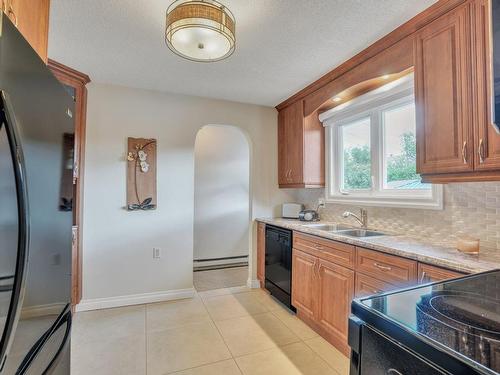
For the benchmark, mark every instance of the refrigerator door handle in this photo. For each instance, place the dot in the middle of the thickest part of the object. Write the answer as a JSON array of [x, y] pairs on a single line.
[[65, 319], [18, 285], [53, 364]]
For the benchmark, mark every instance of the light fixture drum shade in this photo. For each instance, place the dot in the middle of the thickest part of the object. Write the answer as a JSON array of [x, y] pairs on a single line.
[[200, 30]]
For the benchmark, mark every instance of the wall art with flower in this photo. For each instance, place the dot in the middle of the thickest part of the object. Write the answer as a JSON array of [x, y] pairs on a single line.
[[141, 174]]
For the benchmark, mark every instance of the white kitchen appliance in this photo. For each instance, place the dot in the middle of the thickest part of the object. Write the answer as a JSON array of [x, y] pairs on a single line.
[[291, 210]]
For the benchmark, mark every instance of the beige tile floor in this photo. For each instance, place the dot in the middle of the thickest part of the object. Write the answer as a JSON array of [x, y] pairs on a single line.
[[217, 279], [231, 331]]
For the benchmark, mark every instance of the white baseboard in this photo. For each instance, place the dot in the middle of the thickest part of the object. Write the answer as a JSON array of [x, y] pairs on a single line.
[[253, 284], [134, 299]]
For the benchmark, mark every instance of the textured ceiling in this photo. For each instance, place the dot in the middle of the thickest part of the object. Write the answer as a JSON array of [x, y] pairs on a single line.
[[282, 45]]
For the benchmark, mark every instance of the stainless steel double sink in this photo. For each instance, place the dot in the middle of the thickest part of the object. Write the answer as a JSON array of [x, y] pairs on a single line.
[[345, 230]]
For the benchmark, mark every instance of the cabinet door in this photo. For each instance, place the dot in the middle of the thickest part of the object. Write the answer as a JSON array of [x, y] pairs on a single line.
[[487, 140], [291, 145], [261, 252], [428, 273], [442, 82], [304, 293], [32, 19], [336, 290]]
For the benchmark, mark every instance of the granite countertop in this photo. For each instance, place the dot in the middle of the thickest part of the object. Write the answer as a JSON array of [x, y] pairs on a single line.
[[404, 246]]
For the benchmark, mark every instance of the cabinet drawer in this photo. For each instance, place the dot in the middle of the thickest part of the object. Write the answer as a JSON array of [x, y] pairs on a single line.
[[428, 273], [367, 286], [389, 268], [332, 251]]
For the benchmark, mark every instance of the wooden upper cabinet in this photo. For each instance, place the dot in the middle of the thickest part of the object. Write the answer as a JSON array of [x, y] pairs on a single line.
[[456, 138], [300, 148], [442, 85], [487, 140], [32, 19]]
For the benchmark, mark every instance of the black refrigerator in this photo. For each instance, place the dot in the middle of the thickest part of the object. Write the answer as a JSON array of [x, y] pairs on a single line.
[[36, 190]]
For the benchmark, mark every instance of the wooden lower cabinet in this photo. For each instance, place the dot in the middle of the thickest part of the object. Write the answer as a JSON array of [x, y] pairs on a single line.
[[304, 289], [428, 273], [367, 286], [390, 268], [336, 290], [261, 253], [322, 293], [322, 289]]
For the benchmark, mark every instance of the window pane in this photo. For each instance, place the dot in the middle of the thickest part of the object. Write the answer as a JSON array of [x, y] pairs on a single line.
[[357, 162], [400, 162]]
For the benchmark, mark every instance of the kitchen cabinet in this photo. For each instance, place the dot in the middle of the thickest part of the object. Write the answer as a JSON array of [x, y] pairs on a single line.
[[442, 96], [336, 252], [75, 84], [486, 138], [300, 149], [428, 273], [388, 268], [335, 286], [261, 253], [367, 286], [456, 140], [31, 17], [303, 282], [327, 274], [322, 293]]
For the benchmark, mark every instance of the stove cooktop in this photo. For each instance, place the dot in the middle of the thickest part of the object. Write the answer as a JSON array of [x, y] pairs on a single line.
[[462, 316]]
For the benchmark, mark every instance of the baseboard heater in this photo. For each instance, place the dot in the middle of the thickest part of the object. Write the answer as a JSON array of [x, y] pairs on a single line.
[[220, 263]]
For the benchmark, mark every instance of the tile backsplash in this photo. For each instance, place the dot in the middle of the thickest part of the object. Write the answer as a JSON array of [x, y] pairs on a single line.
[[470, 209]]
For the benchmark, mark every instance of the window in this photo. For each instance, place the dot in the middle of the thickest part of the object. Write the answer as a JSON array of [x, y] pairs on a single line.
[[356, 155], [371, 143]]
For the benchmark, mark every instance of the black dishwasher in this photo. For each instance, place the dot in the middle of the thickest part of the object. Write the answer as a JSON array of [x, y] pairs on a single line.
[[279, 264]]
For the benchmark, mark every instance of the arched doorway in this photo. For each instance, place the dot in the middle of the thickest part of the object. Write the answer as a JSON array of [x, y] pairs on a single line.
[[221, 208]]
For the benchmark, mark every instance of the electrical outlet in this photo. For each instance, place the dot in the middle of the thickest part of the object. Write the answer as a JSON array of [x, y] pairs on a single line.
[[56, 259], [156, 253], [321, 202]]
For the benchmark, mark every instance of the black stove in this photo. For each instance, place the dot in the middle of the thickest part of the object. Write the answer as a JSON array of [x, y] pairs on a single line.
[[451, 326]]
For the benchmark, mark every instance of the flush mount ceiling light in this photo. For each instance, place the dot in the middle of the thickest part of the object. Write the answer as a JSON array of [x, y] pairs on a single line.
[[200, 30]]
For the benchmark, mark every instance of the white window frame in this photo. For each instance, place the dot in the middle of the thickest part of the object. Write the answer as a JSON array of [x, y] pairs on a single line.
[[373, 104]]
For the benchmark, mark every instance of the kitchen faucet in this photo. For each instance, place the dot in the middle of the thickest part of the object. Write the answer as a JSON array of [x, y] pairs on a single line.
[[363, 221]]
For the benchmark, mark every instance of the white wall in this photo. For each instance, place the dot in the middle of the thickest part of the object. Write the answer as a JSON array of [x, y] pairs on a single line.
[[117, 245], [221, 193]]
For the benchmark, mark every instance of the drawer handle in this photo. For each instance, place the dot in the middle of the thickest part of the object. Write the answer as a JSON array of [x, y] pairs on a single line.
[[319, 247], [381, 267], [423, 278], [393, 371]]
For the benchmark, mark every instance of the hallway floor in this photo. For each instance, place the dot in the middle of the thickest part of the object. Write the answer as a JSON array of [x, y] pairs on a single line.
[[231, 331], [221, 278]]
